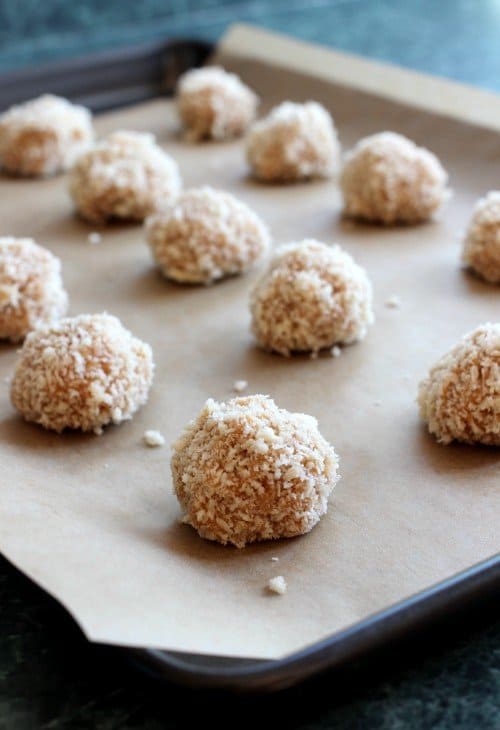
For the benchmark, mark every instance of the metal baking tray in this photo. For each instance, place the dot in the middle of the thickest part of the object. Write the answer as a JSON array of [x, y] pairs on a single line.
[[122, 77]]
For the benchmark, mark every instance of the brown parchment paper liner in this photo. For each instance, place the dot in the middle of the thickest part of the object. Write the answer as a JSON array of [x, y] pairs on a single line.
[[93, 520]]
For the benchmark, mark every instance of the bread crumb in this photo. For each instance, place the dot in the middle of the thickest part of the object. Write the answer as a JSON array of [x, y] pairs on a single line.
[[277, 585], [82, 373], [481, 247], [336, 351], [247, 470], [294, 142], [153, 438], [312, 297], [460, 398], [274, 559], [44, 136], [94, 238], [206, 235], [393, 302], [214, 104], [240, 385], [31, 289], [388, 179], [125, 176]]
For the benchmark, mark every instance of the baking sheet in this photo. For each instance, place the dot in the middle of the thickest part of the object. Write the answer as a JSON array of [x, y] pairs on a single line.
[[93, 519]]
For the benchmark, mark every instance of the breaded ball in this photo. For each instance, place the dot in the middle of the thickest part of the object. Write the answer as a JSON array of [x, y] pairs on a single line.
[[31, 288], [247, 470], [387, 179], [460, 398], [481, 249], [206, 235], [82, 373], [314, 296], [125, 176], [44, 136], [294, 142], [214, 104]]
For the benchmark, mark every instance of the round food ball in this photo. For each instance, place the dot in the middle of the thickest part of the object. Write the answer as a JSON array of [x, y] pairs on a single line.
[[294, 142], [387, 179], [214, 104], [481, 249], [460, 398], [206, 235], [82, 373], [43, 136], [247, 470], [31, 288], [125, 176], [313, 296]]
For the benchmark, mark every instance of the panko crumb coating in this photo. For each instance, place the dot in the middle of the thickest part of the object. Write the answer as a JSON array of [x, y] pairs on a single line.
[[31, 288], [247, 470], [125, 176], [481, 251], [314, 296], [214, 104], [82, 373], [387, 179], [460, 398], [206, 235], [294, 142], [44, 136]]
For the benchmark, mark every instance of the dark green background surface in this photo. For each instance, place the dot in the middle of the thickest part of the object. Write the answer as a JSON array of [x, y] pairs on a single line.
[[49, 676]]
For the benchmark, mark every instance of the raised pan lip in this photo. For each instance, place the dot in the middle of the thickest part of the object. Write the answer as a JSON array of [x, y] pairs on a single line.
[[460, 592], [423, 91]]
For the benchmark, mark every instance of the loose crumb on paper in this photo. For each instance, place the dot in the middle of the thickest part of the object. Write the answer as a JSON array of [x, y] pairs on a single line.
[[240, 385], [94, 238], [336, 351], [277, 585], [153, 438], [393, 302]]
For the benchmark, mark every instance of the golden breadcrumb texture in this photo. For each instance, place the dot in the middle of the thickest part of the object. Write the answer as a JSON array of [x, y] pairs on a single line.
[[206, 235], [214, 104], [294, 142], [125, 176], [82, 373], [481, 249], [460, 398], [313, 297], [387, 179], [44, 136], [31, 288], [247, 470]]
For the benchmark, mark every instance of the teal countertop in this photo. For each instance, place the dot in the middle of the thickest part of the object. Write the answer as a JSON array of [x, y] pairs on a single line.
[[454, 38], [50, 677]]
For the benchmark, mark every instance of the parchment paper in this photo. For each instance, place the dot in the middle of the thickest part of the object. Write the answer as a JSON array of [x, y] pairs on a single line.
[[93, 520]]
